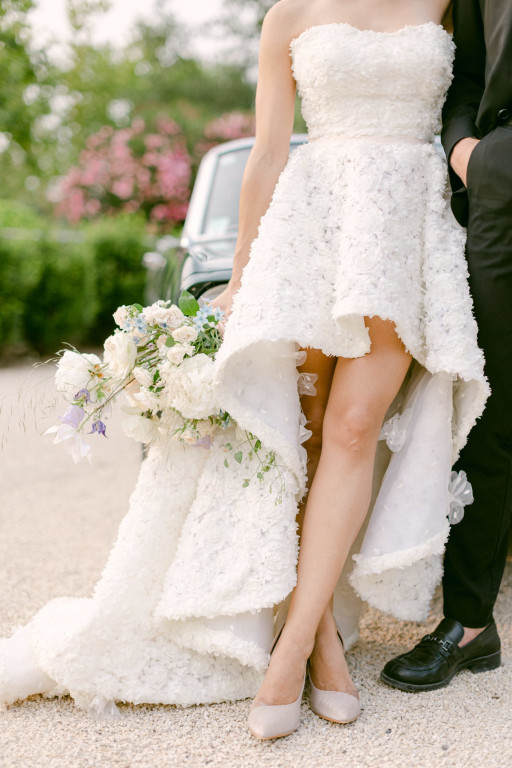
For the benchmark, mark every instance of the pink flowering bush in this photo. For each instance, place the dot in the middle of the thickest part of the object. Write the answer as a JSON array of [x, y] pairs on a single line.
[[130, 170], [231, 125]]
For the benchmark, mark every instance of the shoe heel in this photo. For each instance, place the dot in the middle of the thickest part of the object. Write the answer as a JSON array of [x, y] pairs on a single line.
[[486, 663]]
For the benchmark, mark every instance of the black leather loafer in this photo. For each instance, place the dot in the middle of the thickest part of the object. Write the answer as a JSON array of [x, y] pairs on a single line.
[[437, 658]]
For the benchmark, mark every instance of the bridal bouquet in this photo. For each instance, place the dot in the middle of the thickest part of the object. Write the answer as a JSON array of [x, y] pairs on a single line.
[[161, 358]]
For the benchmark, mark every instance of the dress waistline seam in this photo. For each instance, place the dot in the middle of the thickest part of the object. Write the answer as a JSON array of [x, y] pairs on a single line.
[[379, 138]]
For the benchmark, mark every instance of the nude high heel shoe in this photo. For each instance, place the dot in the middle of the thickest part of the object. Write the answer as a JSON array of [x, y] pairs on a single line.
[[336, 706], [272, 721]]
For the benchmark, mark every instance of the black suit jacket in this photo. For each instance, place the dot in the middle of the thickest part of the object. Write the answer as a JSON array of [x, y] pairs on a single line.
[[481, 92]]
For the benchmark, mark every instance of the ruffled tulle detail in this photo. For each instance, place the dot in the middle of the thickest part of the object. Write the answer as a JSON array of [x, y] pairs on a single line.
[[460, 494]]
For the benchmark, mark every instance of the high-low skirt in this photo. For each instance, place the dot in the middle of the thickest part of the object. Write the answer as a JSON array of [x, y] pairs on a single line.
[[184, 611]]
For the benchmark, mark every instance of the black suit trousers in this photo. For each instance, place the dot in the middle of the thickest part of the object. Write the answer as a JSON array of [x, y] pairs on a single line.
[[477, 547]]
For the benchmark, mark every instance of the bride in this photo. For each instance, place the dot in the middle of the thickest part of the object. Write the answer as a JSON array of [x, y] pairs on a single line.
[[353, 316]]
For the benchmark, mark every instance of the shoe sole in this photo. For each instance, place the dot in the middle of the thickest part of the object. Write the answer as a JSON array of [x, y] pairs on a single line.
[[481, 664], [269, 738], [332, 720]]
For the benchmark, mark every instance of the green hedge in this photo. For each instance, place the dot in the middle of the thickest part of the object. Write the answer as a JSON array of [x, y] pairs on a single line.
[[118, 245], [63, 305], [56, 289]]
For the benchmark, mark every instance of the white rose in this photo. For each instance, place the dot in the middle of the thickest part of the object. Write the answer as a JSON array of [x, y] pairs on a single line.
[[143, 376], [140, 428], [176, 354], [75, 372], [185, 333], [160, 342], [167, 317], [175, 317], [146, 401], [121, 316], [190, 388], [120, 354]]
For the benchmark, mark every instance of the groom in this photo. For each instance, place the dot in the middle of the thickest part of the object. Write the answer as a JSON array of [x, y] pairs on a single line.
[[477, 137]]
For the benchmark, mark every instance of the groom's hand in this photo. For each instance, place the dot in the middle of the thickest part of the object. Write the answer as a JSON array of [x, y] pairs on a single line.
[[460, 155]]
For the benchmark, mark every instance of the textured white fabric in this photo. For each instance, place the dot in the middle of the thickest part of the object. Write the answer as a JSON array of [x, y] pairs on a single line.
[[183, 611], [359, 82]]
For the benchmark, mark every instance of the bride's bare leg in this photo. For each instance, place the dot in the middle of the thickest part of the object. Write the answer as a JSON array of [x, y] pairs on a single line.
[[328, 665], [361, 392]]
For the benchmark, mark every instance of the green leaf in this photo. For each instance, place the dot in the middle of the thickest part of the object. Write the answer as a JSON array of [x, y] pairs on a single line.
[[245, 484], [156, 376], [138, 307], [188, 304], [226, 463], [260, 475], [257, 445], [169, 342], [229, 446], [238, 456]]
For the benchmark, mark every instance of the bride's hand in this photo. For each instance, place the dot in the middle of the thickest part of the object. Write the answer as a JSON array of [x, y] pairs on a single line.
[[224, 301]]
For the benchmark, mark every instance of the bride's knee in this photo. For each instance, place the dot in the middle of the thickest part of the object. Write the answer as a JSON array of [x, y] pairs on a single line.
[[354, 429]]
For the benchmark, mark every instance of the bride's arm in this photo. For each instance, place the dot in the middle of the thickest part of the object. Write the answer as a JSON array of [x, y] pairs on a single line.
[[275, 104]]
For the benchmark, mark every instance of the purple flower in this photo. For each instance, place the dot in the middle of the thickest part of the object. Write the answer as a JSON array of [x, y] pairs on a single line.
[[73, 416], [83, 393], [99, 427]]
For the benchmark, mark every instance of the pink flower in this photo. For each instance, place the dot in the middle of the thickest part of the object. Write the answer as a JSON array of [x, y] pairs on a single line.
[[123, 188], [110, 177], [138, 125], [154, 141], [93, 207], [232, 125], [168, 126]]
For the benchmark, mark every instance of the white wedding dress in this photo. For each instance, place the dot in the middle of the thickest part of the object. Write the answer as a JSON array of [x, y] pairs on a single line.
[[359, 224]]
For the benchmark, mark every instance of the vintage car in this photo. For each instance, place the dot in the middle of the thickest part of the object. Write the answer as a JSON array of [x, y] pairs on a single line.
[[201, 260]]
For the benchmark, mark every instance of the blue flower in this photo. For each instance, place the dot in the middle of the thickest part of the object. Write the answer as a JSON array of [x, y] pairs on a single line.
[[99, 427], [203, 313], [140, 324]]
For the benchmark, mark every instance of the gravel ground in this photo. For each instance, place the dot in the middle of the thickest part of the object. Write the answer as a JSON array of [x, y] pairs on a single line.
[[57, 524]]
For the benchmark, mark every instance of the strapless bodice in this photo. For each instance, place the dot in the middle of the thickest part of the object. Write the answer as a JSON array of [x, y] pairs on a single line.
[[356, 82]]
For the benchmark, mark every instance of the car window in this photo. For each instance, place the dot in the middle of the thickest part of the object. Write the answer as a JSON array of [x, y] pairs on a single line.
[[221, 216]]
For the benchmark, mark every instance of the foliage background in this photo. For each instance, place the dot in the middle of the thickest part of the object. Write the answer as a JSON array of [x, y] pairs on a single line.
[[61, 277]]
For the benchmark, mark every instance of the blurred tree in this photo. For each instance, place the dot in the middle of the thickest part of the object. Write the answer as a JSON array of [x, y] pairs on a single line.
[[81, 12], [152, 77], [240, 22], [48, 109], [24, 98]]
